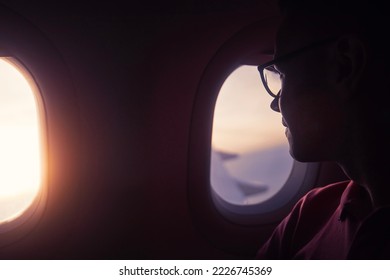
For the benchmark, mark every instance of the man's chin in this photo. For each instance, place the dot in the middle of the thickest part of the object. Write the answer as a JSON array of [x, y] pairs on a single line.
[[302, 155]]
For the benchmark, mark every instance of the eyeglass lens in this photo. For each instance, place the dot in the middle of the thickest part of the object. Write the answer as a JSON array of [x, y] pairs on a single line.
[[272, 78]]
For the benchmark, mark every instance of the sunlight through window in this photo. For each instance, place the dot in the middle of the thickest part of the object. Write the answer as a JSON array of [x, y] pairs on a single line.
[[20, 155], [250, 159]]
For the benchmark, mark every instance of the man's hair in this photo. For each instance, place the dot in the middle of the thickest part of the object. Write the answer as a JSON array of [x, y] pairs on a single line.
[[343, 7], [370, 18]]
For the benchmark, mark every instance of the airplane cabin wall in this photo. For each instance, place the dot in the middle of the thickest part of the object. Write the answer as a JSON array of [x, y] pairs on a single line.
[[119, 85]]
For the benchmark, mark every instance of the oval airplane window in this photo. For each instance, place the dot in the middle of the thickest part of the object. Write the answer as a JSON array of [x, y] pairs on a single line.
[[20, 145], [252, 175], [250, 159]]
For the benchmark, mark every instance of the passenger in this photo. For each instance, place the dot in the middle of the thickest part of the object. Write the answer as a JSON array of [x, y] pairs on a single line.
[[330, 82]]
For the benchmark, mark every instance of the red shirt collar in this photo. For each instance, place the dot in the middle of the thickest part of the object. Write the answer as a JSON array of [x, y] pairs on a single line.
[[355, 203]]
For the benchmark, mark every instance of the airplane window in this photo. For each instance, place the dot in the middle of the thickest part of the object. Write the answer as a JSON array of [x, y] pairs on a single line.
[[250, 160], [20, 154]]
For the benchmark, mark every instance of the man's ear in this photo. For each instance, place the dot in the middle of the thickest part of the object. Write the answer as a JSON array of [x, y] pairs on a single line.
[[351, 60]]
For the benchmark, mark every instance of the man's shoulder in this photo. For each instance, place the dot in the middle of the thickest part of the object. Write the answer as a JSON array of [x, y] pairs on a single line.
[[316, 208], [325, 192], [322, 199]]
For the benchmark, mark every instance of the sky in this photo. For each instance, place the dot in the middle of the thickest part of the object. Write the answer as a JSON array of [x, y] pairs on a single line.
[[243, 120]]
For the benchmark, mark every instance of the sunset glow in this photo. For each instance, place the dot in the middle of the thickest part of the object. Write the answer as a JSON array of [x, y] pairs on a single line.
[[20, 157], [243, 120]]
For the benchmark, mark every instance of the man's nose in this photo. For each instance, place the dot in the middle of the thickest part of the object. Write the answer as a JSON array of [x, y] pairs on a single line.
[[275, 104]]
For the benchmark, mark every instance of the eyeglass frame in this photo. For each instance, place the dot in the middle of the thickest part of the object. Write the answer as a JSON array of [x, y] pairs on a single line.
[[287, 56]]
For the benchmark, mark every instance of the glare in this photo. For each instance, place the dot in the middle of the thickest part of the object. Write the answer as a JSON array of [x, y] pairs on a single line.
[[20, 161]]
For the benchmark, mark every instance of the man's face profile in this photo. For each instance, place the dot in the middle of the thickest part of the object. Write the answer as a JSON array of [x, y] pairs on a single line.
[[310, 111]]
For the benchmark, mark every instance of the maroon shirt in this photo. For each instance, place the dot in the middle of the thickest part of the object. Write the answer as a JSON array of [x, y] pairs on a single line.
[[333, 222]]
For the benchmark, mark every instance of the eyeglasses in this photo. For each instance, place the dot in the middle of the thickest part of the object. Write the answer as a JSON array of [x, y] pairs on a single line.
[[272, 78]]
